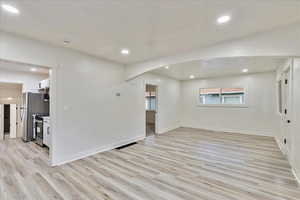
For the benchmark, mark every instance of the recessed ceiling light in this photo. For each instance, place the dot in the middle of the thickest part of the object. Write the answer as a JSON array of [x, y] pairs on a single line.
[[224, 19], [125, 51], [10, 8], [245, 70], [10, 98], [33, 69], [167, 67], [192, 76]]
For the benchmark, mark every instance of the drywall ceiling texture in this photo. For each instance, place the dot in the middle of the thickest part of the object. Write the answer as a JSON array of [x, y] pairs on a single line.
[[29, 81], [258, 118], [10, 93], [150, 29], [21, 67], [221, 67], [279, 42]]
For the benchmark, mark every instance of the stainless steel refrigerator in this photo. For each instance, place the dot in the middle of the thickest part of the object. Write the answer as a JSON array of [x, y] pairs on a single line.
[[32, 104]]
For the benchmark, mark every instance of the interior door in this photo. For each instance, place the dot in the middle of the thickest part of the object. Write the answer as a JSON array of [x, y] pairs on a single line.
[[13, 121], [1, 122], [286, 116]]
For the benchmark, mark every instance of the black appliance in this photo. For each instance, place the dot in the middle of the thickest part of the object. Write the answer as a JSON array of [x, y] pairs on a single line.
[[32, 104]]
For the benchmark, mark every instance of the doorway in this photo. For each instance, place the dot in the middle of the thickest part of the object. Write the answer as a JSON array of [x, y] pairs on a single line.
[[32, 90], [151, 109], [8, 121]]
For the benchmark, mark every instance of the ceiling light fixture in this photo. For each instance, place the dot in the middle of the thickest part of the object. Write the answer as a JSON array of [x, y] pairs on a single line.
[[125, 51], [224, 19], [167, 67], [33, 69], [66, 42], [192, 76], [10, 9], [245, 70], [10, 98]]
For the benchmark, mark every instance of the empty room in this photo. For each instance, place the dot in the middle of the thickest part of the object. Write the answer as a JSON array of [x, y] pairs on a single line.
[[140, 99]]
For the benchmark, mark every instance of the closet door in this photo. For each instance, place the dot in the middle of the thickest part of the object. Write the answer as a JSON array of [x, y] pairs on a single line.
[[1, 122]]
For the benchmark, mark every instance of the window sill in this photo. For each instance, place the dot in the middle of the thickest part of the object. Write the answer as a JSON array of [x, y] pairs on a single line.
[[224, 105]]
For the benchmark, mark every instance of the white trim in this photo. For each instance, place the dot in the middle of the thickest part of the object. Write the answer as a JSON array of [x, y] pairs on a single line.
[[169, 128], [279, 144], [286, 154], [240, 131], [85, 154], [224, 105], [296, 176], [243, 105]]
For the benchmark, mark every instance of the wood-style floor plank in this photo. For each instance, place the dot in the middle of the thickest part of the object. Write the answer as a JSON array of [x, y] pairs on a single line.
[[189, 164]]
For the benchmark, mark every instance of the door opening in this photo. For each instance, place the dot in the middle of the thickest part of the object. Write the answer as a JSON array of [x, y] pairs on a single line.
[[6, 121], [9, 121], [151, 109]]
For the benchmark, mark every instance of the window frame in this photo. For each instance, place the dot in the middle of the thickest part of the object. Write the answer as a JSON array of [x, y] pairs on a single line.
[[244, 105], [150, 97]]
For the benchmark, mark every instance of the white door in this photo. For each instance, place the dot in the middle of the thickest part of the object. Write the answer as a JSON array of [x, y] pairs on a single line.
[[286, 115], [1, 122], [13, 121]]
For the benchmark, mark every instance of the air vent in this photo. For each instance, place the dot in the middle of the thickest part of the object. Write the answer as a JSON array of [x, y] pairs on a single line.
[[125, 146]]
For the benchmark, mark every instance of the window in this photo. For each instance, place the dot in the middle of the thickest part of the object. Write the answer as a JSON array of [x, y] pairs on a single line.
[[213, 96], [210, 96], [151, 100]]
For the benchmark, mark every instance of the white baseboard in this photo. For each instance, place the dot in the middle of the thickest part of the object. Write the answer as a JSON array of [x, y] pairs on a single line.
[[241, 131], [97, 150], [167, 129], [279, 143], [296, 176], [286, 153]]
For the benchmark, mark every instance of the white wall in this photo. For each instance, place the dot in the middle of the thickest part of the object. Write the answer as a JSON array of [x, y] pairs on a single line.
[[85, 110], [168, 101], [28, 80], [259, 117]]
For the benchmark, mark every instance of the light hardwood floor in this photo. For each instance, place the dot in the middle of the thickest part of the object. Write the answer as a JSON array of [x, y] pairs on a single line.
[[182, 164]]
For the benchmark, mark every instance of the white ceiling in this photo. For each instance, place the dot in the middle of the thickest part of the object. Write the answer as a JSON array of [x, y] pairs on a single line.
[[150, 29], [220, 67], [20, 67], [10, 86]]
